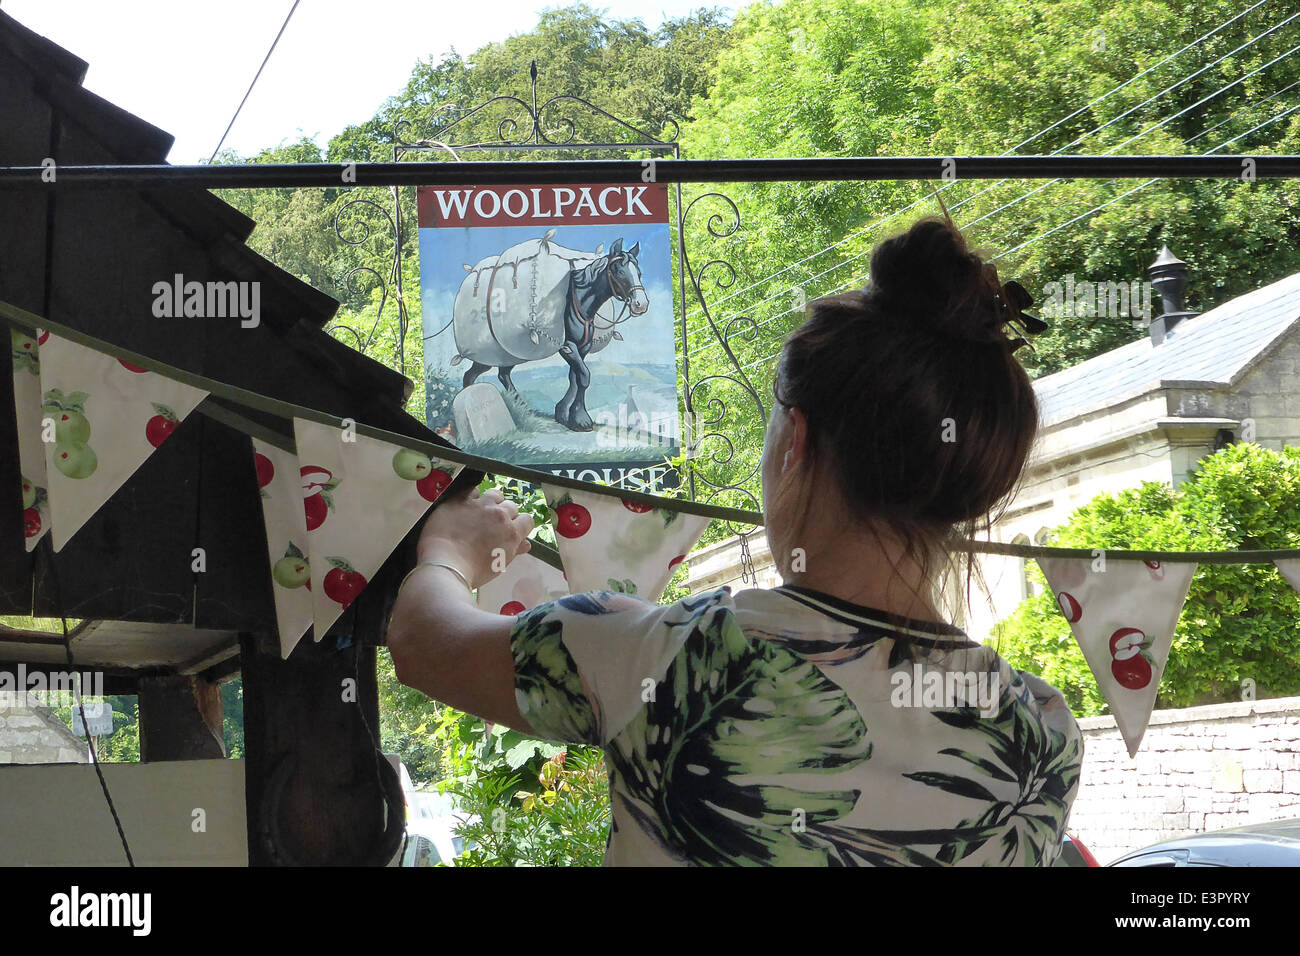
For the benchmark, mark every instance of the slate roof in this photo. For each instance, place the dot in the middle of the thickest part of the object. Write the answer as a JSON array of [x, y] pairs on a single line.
[[1218, 346]]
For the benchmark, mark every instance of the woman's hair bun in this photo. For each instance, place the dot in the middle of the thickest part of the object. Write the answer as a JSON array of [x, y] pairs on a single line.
[[928, 276]]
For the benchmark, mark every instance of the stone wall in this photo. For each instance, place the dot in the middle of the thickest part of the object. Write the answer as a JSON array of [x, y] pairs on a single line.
[[1198, 769], [33, 734]]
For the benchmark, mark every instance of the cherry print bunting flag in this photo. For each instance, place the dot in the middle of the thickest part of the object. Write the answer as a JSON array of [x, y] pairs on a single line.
[[526, 582], [27, 415], [101, 418], [613, 544], [1123, 615], [280, 485], [360, 496]]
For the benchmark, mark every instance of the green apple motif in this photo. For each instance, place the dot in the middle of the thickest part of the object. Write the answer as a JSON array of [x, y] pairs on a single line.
[[412, 465], [75, 459], [291, 571], [29, 494], [68, 412], [24, 352]]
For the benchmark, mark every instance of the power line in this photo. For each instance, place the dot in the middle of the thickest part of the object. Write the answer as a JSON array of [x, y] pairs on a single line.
[[1095, 209], [1150, 129], [713, 343], [986, 189], [254, 83]]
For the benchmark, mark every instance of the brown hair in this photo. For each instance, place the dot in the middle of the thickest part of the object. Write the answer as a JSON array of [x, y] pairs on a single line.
[[913, 398]]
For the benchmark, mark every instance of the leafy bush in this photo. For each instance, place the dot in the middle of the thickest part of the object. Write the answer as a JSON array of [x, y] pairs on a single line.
[[528, 802], [1239, 621]]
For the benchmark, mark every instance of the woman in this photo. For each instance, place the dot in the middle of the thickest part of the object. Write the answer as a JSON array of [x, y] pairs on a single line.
[[839, 719]]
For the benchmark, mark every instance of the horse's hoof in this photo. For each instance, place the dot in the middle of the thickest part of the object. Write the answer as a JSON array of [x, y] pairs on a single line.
[[580, 422]]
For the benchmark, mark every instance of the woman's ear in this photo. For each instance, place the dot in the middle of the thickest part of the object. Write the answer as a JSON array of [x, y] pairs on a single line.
[[796, 451]]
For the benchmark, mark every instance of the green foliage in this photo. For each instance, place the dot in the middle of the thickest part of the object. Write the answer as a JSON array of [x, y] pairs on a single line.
[[971, 77], [1238, 621], [528, 802]]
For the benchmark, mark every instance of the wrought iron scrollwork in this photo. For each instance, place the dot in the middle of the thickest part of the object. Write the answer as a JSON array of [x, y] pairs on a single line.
[[708, 437], [528, 127], [711, 424], [360, 278]]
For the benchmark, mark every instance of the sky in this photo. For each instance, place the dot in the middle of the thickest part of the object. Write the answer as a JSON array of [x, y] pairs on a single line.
[[184, 65]]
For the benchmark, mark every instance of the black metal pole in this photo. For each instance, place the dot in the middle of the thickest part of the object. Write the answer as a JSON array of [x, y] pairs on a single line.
[[564, 172]]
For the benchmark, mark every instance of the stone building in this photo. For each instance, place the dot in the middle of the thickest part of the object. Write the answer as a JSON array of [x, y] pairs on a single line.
[[31, 733], [1146, 411]]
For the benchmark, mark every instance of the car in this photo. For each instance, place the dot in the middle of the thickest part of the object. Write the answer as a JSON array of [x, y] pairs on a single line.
[[1259, 844], [432, 823], [1074, 853]]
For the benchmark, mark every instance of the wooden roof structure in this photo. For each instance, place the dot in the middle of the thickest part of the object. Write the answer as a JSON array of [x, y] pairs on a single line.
[[90, 260]]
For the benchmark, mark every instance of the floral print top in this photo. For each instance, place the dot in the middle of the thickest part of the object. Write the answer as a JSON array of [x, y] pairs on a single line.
[[785, 727]]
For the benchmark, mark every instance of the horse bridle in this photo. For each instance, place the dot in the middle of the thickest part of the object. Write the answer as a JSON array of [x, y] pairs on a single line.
[[620, 294]]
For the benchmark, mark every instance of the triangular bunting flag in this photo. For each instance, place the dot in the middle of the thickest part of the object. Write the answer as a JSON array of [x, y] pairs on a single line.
[[286, 541], [101, 418], [360, 498], [612, 544], [27, 415], [1290, 569], [526, 582], [1123, 614]]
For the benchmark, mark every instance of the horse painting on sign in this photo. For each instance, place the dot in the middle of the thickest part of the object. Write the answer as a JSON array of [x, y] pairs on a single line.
[[548, 342], [537, 299]]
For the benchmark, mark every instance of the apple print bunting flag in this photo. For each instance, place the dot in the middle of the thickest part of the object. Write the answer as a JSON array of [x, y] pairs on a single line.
[[280, 484], [526, 582], [1123, 615], [613, 544], [101, 418], [360, 496], [27, 415]]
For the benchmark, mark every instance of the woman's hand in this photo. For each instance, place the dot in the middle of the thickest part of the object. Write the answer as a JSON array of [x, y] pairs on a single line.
[[478, 534]]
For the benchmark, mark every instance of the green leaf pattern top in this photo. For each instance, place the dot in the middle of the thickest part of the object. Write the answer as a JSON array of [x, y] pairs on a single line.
[[752, 751]]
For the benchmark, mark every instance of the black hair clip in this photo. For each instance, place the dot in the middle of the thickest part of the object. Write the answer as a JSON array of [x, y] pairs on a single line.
[[1013, 302]]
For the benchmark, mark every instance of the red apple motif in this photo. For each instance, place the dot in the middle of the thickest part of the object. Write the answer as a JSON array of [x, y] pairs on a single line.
[[636, 507], [342, 583], [1156, 569], [316, 485], [676, 561], [572, 520], [1069, 606], [316, 510], [40, 339], [265, 470], [31, 522], [512, 607], [432, 485], [1131, 664], [315, 479], [160, 427], [129, 367]]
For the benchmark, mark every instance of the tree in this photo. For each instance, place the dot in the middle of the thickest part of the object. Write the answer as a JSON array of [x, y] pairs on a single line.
[[1238, 621]]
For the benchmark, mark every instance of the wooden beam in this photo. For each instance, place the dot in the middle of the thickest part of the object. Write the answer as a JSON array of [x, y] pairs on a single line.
[[319, 791], [180, 719]]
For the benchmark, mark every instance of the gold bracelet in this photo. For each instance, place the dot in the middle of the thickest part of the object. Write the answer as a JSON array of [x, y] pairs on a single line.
[[437, 564]]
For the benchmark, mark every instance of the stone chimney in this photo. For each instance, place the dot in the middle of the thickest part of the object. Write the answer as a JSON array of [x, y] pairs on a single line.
[[1169, 278]]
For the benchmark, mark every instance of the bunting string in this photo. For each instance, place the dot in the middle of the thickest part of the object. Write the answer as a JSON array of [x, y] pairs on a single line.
[[339, 495]]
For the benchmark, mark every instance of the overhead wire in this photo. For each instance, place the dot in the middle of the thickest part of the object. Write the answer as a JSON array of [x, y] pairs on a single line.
[[785, 292], [256, 77]]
